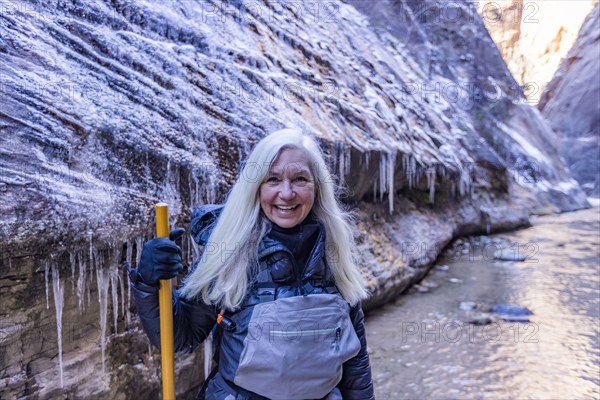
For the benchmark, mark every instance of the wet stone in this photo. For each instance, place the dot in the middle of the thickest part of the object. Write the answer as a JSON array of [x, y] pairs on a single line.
[[421, 288], [511, 313], [479, 319], [467, 305], [509, 257]]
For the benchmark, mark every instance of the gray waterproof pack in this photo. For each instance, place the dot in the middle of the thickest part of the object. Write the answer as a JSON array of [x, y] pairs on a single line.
[[295, 347]]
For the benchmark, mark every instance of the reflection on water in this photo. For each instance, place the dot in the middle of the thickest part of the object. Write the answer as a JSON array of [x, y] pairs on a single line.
[[429, 345]]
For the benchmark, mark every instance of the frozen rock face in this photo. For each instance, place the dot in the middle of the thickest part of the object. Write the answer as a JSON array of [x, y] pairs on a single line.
[[534, 36], [461, 75], [571, 102], [108, 108]]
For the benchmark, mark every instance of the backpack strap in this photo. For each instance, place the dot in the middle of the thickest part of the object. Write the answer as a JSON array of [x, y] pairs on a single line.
[[266, 293], [332, 289], [267, 289]]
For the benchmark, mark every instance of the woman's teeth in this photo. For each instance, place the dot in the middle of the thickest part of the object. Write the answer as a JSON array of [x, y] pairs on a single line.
[[285, 208]]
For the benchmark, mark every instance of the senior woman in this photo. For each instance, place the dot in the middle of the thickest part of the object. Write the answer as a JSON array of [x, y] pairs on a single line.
[[276, 282]]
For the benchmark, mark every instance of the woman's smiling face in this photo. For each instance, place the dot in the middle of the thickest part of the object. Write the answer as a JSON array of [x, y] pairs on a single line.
[[288, 193]]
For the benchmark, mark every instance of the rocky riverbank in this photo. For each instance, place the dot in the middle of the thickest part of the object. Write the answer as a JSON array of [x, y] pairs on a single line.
[[482, 326]]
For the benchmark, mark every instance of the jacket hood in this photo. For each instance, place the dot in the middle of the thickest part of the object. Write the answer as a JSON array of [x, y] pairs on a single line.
[[203, 221]]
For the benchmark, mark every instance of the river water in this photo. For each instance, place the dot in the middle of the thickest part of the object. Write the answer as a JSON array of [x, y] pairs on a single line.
[[437, 341]]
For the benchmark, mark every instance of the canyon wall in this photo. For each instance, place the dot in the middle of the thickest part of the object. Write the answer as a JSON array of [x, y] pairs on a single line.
[[571, 103], [534, 36], [109, 107]]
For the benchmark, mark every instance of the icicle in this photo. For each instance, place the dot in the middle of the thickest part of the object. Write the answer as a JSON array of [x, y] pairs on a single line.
[[168, 177], [171, 182], [139, 245], [382, 176], [81, 281], [405, 169], [58, 292], [46, 280], [209, 186], [409, 166], [413, 170], [367, 155], [191, 189], [391, 160], [114, 287], [149, 350], [207, 355], [89, 288], [347, 160], [464, 181], [177, 177], [90, 235], [103, 281], [196, 198], [122, 287], [128, 257], [200, 189], [430, 173], [210, 194], [339, 147], [202, 197], [72, 261]]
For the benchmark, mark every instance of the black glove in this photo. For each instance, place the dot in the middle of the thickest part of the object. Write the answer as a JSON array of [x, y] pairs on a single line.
[[161, 259]]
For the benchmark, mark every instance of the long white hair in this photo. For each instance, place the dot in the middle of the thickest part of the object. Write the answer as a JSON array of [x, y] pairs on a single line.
[[222, 276]]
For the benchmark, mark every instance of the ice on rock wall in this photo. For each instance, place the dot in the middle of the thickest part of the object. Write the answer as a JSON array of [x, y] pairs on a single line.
[[128, 258], [58, 291], [72, 264], [114, 278], [410, 169], [387, 165], [464, 181], [110, 286], [203, 185], [46, 280], [170, 189], [343, 154], [103, 280], [81, 281], [91, 274], [139, 245], [430, 173], [109, 276]]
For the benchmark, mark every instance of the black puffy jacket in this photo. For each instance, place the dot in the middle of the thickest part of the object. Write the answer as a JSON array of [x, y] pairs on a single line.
[[194, 320]]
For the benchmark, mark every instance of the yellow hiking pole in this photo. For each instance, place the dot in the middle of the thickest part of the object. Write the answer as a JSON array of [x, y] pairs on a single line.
[[165, 302]]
